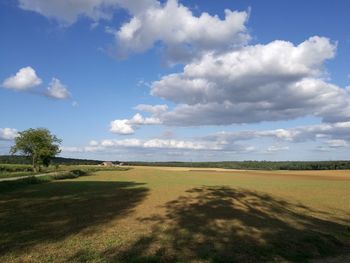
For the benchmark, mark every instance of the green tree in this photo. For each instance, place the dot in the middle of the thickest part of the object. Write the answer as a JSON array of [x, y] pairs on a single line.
[[39, 144]]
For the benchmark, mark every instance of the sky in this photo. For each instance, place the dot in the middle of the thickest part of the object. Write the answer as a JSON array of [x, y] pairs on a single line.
[[149, 80]]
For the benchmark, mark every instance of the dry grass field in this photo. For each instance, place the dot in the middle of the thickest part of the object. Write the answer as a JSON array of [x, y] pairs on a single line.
[[150, 214]]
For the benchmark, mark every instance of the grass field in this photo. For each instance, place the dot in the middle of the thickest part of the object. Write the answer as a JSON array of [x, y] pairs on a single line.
[[150, 214]]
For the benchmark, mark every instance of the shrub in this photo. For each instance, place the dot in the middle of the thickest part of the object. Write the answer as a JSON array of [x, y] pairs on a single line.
[[69, 174], [79, 172]]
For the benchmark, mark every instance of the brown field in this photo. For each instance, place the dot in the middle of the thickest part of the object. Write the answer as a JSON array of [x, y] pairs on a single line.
[[162, 214]]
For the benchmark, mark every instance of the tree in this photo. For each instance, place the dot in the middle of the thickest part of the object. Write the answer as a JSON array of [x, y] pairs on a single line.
[[39, 144]]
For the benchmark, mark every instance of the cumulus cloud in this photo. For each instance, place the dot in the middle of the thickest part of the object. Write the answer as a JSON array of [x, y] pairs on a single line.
[[193, 144], [24, 79], [325, 135], [153, 109], [57, 90], [121, 127], [332, 131], [276, 81], [182, 34], [337, 143], [8, 133], [128, 126], [328, 133], [237, 74]]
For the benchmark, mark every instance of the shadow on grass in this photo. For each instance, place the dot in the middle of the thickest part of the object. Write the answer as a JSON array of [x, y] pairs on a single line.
[[222, 224], [49, 212], [12, 185]]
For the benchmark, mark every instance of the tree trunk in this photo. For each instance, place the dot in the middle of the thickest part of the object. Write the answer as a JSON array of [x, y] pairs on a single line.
[[34, 164]]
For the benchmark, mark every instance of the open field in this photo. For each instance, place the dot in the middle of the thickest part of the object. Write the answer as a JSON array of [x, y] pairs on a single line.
[[153, 214]]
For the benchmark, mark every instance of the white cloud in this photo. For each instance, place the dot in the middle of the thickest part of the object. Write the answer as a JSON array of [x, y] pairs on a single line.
[[179, 144], [139, 120], [334, 131], [121, 127], [24, 79], [325, 132], [183, 34], [252, 69], [72, 149], [277, 148], [160, 144], [8, 133], [276, 81], [125, 127], [326, 136], [153, 109], [337, 143], [57, 90]]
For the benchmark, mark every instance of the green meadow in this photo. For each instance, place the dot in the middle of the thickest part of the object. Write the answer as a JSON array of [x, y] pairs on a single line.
[[154, 214]]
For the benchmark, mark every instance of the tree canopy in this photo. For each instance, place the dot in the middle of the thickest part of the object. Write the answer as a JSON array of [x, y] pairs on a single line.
[[39, 144]]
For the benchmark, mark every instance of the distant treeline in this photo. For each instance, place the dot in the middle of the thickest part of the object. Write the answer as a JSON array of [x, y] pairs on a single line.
[[15, 159], [255, 165]]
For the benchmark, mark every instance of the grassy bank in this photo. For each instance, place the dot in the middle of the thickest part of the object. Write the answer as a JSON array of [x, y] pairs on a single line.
[[65, 173], [18, 170]]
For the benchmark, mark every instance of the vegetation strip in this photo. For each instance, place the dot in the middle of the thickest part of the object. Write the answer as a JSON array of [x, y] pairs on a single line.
[[14, 183]]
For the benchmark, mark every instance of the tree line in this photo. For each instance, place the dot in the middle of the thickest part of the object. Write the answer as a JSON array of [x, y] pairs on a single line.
[[20, 159], [256, 165]]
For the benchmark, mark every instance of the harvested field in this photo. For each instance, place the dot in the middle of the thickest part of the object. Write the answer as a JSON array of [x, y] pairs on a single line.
[[151, 214]]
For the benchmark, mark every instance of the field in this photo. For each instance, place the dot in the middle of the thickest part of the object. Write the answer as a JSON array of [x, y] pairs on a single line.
[[150, 214]]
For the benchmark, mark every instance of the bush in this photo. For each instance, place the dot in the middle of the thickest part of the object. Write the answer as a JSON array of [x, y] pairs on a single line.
[[79, 172], [69, 174]]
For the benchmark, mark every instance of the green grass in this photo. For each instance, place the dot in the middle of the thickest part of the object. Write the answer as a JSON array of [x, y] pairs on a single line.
[[14, 170], [19, 170], [170, 215]]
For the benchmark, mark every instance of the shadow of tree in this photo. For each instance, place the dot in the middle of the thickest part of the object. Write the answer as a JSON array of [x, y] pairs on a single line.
[[222, 224], [53, 211]]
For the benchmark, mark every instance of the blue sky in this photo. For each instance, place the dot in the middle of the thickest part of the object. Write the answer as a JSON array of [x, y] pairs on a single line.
[[178, 80]]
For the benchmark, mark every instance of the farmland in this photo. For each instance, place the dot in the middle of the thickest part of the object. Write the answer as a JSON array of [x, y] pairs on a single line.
[[165, 214]]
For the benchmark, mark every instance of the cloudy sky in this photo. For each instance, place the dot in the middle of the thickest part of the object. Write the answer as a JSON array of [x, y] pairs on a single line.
[[178, 80]]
